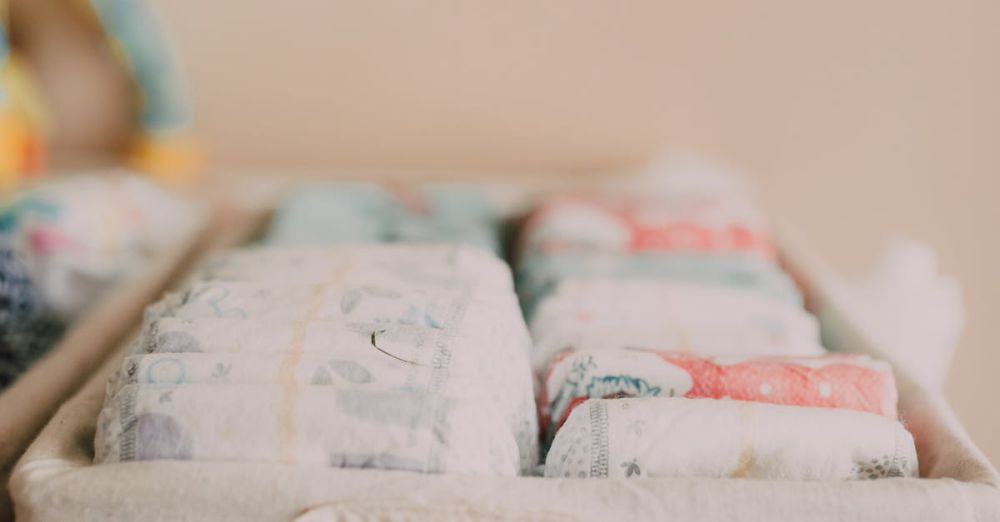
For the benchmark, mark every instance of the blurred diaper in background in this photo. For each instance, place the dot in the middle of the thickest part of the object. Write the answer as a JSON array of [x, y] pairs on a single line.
[[64, 243], [909, 307], [359, 212]]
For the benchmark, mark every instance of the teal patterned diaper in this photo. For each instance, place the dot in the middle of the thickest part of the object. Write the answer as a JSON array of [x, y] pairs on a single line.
[[347, 212], [539, 273]]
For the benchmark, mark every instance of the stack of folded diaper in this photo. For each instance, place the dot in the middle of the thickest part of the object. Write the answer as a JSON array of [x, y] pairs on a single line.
[[671, 343], [400, 356], [695, 237]]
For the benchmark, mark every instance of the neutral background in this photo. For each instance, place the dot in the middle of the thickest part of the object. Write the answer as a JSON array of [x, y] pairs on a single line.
[[856, 120]]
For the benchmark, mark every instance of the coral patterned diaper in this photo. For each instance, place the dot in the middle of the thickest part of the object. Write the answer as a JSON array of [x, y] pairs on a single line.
[[844, 381], [706, 223]]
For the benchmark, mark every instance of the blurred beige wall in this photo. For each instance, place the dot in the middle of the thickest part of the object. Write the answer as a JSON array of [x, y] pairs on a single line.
[[857, 120]]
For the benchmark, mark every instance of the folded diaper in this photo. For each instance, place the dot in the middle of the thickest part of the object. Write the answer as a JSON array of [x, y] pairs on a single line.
[[433, 307], [78, 235], [384, 373], [410, 340], [705, 222], [436, 265], [491, 361], [673, 437], [848, 381], [435, 327], [305, 425], [345, 212], [539, 274], [605, 313]]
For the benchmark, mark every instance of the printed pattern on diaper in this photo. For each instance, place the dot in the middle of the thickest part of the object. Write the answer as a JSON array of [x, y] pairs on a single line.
[[846, 381], [364, 369], [627, 439]]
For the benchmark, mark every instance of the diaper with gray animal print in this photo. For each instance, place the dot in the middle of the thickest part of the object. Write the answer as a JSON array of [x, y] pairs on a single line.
[[410, 357]]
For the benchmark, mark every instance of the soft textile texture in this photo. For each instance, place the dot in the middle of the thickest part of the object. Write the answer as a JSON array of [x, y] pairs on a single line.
[[382, 372], [694, 233], [855, 382], [491, 360], [57, 481], [539, 274], [705, 319], [664, 437], [705, 222], [401, 321], [373, 302], [329, 213], [323, 427], [440, 265]]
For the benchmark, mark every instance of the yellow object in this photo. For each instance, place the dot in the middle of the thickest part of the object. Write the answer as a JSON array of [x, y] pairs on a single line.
[[23, 93], [20, 150], [22, 120], [10, 164], [174, 159]]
